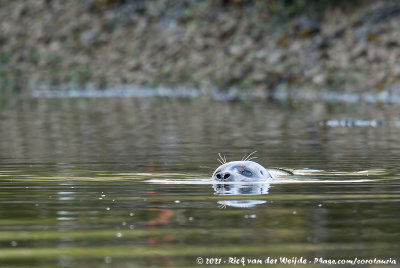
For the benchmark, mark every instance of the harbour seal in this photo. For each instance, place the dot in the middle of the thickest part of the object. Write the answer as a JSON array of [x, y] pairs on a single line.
[[241, 171], [245, 171]]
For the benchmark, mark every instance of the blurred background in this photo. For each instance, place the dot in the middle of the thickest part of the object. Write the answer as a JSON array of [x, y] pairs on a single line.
[[265, 46]]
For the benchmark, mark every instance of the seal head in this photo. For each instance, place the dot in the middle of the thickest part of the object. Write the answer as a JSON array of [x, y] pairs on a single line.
[[241, 171]]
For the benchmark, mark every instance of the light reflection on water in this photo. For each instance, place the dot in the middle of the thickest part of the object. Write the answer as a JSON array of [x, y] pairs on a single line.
[[126, 181]]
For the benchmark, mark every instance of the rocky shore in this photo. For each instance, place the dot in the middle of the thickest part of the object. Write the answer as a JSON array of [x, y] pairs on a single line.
[[262, 46]]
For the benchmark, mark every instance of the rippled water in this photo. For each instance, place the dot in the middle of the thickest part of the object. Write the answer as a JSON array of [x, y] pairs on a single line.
[[124, 182]]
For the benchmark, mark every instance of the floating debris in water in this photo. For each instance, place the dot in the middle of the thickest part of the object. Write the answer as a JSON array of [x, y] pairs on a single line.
[[118, 235], [107, 259], [14, 243], [354, 123]]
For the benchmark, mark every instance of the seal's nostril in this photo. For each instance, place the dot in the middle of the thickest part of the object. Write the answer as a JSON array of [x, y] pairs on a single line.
[[218, 176], [227, 175]]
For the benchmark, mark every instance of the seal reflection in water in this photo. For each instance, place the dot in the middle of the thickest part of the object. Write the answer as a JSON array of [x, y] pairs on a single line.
[[241, 189]]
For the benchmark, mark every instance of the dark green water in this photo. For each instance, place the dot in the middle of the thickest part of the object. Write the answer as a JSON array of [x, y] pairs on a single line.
[[76, 190]]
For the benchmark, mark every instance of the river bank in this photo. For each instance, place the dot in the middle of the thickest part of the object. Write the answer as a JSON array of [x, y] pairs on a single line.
[[261, 46]]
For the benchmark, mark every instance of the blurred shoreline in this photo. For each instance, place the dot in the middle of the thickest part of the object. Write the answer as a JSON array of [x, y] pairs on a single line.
[[262, 47], [132, 91]]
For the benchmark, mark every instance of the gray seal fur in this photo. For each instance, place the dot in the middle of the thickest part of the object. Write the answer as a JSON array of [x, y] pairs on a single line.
[[241, 171]]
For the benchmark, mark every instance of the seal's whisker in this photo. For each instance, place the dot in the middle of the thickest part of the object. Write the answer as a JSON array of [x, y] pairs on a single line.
[[219, 160], [246, 159], [224, 159], [222, 206]]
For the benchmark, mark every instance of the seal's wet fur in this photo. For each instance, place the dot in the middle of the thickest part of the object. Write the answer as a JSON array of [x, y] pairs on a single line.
[[241, 171]]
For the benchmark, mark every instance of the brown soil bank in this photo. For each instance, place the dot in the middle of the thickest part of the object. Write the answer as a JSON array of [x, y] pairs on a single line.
[[225, 44]]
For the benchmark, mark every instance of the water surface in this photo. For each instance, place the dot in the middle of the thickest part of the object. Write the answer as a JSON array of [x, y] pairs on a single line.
[[78, 180]]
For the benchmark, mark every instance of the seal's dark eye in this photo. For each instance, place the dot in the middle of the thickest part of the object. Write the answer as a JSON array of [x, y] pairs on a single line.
[[246, 173]]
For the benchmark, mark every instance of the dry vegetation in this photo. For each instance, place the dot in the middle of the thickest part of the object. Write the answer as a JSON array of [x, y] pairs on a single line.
[[257, 45]]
